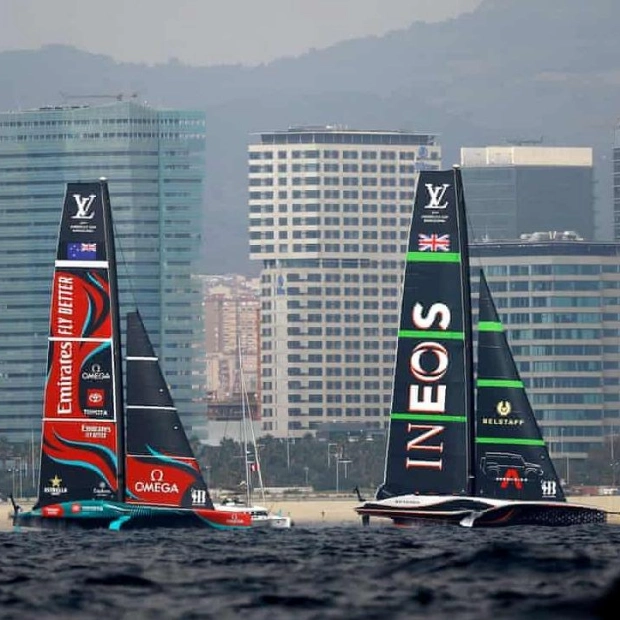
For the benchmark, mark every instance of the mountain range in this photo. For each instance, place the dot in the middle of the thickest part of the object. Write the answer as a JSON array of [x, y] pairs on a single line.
[[510, 71]]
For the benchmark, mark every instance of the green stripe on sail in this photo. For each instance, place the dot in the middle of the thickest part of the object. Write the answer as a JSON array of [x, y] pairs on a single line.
[[499, 383], [433, 257], [428, 418], [490, 326], [511, 442], [436, 334]]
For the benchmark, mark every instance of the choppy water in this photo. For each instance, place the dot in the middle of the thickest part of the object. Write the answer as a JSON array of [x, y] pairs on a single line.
[[313, 571]]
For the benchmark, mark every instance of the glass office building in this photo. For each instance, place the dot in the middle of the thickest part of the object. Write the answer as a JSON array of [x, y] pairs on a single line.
[[559, 301], [154, 162], [330, 210], [515, 190], [616, 183]]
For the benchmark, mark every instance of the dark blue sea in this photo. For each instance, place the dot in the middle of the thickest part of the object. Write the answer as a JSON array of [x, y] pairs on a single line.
[[313, 572]]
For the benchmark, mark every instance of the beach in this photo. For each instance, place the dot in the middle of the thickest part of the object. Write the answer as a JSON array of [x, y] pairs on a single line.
[[339, 510]]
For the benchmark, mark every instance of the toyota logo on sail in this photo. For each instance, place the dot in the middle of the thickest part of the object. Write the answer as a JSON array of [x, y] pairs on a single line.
[[156, 484]]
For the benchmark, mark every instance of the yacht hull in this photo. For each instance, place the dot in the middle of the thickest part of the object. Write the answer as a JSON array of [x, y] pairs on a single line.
[[478, 512], [260, 516], [95, 514]]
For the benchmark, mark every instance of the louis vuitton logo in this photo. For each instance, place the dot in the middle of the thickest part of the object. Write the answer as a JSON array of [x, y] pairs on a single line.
[[436, 195], [84, 206]]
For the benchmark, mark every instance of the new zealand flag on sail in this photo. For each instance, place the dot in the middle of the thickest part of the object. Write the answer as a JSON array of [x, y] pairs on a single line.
[[81, 251]]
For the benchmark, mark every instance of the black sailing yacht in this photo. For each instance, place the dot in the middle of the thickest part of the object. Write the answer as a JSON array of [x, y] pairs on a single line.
[[464, 446], [109, 458]]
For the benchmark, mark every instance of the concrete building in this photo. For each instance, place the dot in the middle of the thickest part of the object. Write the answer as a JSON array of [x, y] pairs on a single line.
[[512, 190], [154, 161], [231, 313], [330, 210], [559, 301]]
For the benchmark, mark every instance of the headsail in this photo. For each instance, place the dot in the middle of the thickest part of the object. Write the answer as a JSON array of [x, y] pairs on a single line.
[[82, 412], [161, 467], [511, 456], [432, 401]]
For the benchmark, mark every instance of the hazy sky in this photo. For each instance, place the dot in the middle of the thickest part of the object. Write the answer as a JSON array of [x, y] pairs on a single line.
[[207, 32]]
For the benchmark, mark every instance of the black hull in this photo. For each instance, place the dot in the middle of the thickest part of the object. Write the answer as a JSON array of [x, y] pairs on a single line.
[[543, 514], [473, 513]]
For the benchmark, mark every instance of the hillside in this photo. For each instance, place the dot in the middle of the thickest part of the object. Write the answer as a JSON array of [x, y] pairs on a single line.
[[512, 69]]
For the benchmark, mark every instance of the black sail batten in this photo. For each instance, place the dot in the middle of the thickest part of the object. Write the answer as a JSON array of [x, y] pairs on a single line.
[[155, 435], [432, 400], [512, 459], [81, 441]]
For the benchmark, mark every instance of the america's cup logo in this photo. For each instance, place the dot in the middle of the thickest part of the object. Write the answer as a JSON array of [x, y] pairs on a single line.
[[84, 207]]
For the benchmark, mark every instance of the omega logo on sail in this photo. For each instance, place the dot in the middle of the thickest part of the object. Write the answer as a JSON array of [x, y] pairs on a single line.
[[427, 395], [157, 484]]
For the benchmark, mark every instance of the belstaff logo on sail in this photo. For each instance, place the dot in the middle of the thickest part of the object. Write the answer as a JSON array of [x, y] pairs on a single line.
[[504, 411], [503, 407]]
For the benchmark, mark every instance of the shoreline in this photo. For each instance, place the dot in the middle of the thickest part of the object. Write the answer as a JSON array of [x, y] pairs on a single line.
[[338, 510]]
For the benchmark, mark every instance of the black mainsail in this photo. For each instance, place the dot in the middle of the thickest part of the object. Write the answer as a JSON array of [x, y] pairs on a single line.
[[449, 459], [432, 400], [161, 467], [82, 411]]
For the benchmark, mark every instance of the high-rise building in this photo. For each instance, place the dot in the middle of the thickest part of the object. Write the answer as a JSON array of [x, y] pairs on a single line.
[[558, 299], [616, 184], [231, 313], [514, 190], [154, 163], [330, 210]]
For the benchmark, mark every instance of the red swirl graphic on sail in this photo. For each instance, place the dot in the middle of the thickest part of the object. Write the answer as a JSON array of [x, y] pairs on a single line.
[[81, 304], [84, 447]]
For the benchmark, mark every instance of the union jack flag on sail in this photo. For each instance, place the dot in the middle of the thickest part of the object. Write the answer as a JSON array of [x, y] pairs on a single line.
[[433, 243]]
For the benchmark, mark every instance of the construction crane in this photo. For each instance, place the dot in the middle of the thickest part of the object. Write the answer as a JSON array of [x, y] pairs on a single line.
[[118, 97]]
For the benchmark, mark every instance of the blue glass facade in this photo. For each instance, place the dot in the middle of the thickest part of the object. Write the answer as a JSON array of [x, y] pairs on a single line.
[[529, 190], [560, 304], [154, 162]]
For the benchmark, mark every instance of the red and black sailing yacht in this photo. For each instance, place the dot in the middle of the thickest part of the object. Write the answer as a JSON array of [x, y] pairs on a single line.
[[110, 457]]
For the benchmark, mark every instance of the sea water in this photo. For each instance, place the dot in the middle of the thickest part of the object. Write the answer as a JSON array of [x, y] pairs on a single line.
[[313, 571]]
